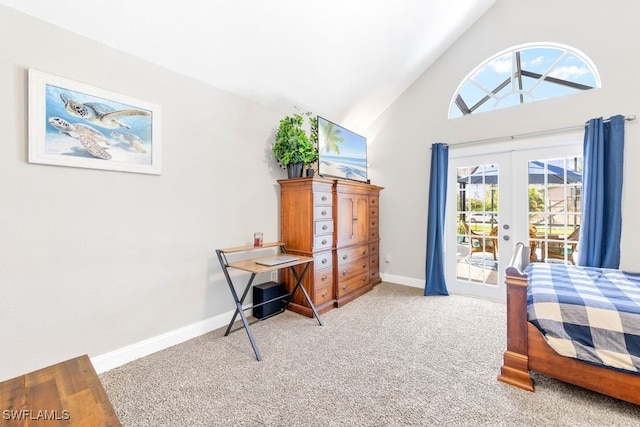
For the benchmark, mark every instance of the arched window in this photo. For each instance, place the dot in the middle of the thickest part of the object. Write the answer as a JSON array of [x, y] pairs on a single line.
[[523, 74]]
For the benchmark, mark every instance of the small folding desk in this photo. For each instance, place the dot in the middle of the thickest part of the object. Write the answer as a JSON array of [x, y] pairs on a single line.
[[250, 265]]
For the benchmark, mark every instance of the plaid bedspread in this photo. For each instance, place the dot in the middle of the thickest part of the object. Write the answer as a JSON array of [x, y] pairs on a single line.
[[590, 314]]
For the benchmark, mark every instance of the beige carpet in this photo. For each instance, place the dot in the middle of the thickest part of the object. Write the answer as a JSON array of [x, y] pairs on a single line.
[[390, 358]]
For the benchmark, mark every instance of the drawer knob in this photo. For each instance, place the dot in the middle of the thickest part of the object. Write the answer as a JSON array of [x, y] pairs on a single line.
[[324, 278], [324, 242], [344, 257], [364, 265], [324, 227], [323, 213], [324, 294], [344, 273], [324, 261], [364, 252], [365, 278], [323, 198], [345, 287]]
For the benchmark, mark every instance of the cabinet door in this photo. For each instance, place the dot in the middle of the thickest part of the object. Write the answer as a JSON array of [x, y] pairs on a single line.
[[361, 215], [352, 221]]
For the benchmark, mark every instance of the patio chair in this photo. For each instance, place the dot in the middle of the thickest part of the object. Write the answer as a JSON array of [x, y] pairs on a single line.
[[480, 242], [558, 250], [533, 244]]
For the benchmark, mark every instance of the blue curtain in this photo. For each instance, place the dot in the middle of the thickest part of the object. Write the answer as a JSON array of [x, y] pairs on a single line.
[[435, 282], [599, 244]]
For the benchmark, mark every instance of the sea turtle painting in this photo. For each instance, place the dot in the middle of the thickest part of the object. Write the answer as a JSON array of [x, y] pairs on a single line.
[[129, 138], [91, 139], [99, 114]]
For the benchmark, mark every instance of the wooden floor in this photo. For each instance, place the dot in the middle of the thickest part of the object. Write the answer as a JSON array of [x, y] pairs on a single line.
[[65, 394]]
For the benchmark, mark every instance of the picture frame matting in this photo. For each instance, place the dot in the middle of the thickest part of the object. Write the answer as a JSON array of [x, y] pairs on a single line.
[[79, 125]]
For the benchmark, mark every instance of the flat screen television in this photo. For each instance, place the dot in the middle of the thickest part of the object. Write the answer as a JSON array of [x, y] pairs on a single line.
[[343, 153]]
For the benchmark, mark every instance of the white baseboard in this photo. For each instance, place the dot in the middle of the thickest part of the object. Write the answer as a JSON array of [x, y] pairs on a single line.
[[403, 280], [119, 357]]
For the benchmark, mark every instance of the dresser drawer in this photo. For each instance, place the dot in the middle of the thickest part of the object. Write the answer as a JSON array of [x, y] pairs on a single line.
[[323, 279], [322, 242], [322, 261], [347, 255], [373, 222], [322, 295], [322, 212], [350, 285], [373, 261], [323, 227], [373, 249], [322, 198], [348, 270]]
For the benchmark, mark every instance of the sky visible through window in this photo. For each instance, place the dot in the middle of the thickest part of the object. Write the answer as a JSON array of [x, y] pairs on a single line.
[[524, 75]]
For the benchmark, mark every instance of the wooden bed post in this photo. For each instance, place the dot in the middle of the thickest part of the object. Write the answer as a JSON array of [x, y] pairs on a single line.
[[515, 367]]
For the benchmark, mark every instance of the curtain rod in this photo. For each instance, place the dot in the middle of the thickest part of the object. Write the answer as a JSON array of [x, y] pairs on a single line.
[[629, 118]]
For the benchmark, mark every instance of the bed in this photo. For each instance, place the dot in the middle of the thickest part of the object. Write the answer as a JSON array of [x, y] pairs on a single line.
[[611, 372]]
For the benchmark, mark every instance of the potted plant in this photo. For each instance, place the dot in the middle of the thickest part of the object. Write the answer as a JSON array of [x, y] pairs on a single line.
[[312, 156], [292, 147]]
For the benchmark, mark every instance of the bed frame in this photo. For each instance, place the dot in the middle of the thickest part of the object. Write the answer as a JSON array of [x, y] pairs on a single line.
[[528, 351]]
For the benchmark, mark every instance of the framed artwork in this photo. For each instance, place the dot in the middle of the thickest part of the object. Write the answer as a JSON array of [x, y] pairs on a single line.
[[78, 125]]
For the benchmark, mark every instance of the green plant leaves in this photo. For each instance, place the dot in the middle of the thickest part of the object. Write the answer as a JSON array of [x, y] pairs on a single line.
[[292, 145]]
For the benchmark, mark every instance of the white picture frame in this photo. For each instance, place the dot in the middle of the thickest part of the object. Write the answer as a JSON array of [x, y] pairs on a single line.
[[79, 125]]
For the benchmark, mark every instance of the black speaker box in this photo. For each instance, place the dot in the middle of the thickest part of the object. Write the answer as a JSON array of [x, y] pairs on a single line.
[[265, 292]]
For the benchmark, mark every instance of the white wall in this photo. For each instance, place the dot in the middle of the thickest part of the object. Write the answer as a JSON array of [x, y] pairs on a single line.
[[94, 261], [401, 137]]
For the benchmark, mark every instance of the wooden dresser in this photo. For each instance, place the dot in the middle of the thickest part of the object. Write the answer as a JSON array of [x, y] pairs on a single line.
[[357, 239], [335, 222]]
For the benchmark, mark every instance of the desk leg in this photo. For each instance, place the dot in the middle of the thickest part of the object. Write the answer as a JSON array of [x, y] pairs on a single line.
[[304, 291], [238, 302], [240, 311], [249, 333]]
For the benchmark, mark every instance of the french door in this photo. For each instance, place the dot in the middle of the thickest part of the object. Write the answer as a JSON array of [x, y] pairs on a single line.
[[498, 199], [477, 226]]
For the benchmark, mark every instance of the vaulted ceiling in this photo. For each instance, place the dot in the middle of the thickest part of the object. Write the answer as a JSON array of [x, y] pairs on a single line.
[[346, 60]]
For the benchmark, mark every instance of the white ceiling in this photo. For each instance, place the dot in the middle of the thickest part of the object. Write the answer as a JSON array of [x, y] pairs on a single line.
[[346, 60]]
